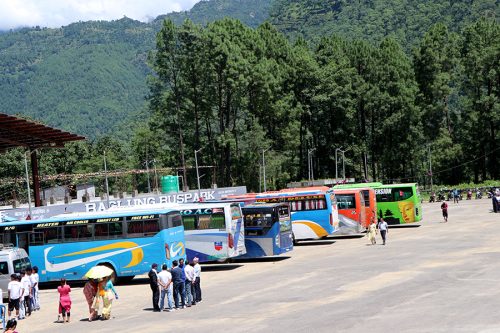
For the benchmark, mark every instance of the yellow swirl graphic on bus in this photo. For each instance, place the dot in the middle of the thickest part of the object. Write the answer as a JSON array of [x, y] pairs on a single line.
[[137, 253]]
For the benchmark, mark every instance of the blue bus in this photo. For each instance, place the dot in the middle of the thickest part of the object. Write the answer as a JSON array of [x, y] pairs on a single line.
[[67, 246], [314, 210], [213, 231], [268, 229]]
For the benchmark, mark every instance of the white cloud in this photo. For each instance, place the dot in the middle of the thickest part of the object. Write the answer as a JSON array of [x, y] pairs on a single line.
[[56, 13]]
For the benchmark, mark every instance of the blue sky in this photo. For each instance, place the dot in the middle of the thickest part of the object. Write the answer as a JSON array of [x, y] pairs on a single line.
[[56, 13]]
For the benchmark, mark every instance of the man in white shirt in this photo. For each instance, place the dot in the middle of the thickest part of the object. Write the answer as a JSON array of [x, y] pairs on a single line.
[[26, 298], [14, 288], [384, 229], [189, 271], [196, 284], [165, 282], [35, 280]]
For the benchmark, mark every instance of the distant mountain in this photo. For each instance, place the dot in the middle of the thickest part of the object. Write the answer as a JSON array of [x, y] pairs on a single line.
[[90, 77], [406, 20], [250, 12]]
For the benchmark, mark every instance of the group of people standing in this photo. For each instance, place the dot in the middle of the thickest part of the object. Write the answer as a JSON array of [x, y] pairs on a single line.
[[372, 231], [97, 292], [180, 285], [23, 293]]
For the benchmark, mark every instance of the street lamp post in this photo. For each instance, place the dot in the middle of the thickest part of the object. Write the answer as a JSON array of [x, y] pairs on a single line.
[[264, 168], [430, 165], [310, 163], [28, 184], [106, 178], [197, 171], [336, 163], [343, 162]]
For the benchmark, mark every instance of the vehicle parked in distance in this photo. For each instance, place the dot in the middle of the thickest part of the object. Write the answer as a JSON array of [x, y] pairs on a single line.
[[12, 261], [314, 210], [268, 229], [352, 212]]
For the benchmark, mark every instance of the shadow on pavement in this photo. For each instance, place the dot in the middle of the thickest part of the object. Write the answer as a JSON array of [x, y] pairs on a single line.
[[220, 267], [403, 226], [355, 236], [263, 259], [315, 243]]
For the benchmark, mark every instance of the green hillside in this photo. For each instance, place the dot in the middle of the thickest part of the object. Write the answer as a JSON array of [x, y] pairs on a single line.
[[91, 77], [406, 20], [249, 12]]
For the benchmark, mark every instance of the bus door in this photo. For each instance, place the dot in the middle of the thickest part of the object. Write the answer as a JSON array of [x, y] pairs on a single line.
[[285, 228], [23, 240], [363, 221]]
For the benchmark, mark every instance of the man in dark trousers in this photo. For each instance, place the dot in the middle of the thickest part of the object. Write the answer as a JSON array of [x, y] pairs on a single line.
[[179, 287], [153, 283], [384, 229]]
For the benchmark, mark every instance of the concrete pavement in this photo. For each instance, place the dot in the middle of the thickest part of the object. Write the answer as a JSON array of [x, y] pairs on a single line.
[[440, 277]]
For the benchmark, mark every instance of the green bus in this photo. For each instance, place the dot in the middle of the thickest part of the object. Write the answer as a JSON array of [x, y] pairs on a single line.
[[396, 203]]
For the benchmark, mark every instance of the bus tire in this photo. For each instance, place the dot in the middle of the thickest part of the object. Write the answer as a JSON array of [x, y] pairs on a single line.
[[113, 277]]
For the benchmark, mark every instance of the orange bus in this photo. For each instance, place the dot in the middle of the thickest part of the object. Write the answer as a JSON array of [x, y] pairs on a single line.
[[352, 211]]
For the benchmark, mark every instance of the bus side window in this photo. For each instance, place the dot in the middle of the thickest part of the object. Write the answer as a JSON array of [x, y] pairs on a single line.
[[115, 229], [217, 221], [101, 230], [52, 235], [151, 227], [204, 221], [135, 228], [189, 222]]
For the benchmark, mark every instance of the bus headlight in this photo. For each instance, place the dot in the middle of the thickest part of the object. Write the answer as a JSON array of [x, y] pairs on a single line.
[[277, 240]]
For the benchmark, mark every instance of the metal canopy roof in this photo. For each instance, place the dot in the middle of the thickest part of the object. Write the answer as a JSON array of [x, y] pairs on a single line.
[[18, 132]]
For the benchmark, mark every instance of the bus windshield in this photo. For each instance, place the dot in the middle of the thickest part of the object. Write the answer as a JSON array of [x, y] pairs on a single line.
[[346, 201], [259, 218]]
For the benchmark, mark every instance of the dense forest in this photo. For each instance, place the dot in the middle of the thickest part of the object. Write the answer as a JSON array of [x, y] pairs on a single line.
[[234, 91]]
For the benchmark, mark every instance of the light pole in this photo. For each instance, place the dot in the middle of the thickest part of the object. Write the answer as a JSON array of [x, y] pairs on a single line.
[[197, 172], [336, 163], [310, 163], [28, 184], [430, 164], [147, 172], [264, 167], [343, 162], [106, 179]]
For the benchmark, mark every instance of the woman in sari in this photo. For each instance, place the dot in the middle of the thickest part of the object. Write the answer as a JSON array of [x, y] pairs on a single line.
[[372, 232], [108, 293], [89, 291], [64, 301]]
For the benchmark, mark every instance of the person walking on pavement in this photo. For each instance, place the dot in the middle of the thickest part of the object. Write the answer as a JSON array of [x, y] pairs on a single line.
[[153, 283], [372, 232], [165, 282], [444, 209], [197, 285], [179, 291], [455, 196], [384, 229]]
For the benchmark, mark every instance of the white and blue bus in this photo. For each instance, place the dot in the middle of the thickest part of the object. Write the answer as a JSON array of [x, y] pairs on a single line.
[[213, 231], [67, 246], [314, 210], [268, 229]]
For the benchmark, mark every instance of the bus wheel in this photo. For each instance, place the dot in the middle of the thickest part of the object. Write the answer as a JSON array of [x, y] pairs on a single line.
[[113, 277]]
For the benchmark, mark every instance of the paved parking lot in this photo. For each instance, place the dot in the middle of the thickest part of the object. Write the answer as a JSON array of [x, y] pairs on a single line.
[[440, 277]]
